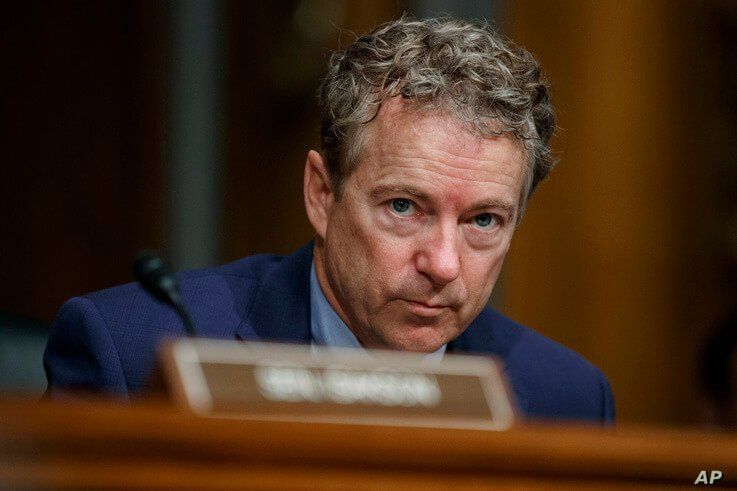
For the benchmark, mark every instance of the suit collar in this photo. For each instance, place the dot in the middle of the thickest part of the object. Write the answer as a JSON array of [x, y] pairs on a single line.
[[280, 310], [481, 336], [460, 344]]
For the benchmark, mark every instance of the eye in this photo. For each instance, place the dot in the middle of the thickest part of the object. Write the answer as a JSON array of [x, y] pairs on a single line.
[[402, 207], [486, 220]]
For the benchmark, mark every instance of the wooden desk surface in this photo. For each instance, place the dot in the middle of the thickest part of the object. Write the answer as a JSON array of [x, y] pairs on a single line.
[[101, 445]]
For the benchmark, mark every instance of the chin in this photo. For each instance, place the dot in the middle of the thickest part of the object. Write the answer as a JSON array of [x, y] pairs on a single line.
[[423, 339]]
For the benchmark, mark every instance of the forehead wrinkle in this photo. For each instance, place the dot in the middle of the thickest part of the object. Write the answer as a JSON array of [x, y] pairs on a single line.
[[397, 115], [447, 159], [468, 176], [392, 147], [448, 146]]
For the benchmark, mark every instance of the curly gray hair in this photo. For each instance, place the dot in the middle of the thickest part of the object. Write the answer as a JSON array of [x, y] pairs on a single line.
[[456, 66]]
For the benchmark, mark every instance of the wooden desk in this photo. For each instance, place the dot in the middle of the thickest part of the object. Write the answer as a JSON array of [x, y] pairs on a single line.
[[100, 445]]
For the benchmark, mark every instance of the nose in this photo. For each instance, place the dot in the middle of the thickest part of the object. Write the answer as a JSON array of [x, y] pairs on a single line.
[[438, 257]]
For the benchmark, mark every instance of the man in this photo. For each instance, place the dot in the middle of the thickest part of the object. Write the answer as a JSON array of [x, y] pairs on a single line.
[[434, 135]]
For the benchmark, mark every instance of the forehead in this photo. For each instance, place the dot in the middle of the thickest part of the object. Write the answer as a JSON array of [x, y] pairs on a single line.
[[431, 145], [398, 122]]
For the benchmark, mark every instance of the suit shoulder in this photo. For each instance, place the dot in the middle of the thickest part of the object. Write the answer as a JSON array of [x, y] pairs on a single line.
[[237, 277], [532, 346], [552, 380], [217, 299]]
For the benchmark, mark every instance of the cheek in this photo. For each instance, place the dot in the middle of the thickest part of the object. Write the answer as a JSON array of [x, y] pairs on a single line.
[[388, 263], [384, 254], [481, 275], [361, 256]]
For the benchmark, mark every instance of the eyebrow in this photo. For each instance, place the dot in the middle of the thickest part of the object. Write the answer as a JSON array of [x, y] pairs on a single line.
[[382, 190], [495, 203]]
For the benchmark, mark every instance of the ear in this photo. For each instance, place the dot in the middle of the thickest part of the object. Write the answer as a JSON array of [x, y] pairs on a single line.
[[318, 193]]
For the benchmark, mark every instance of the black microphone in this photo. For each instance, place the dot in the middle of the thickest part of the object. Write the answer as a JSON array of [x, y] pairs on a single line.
[[154, 276]]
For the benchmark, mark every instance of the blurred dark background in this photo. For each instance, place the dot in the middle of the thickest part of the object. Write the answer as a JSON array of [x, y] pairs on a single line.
[[183, 126]]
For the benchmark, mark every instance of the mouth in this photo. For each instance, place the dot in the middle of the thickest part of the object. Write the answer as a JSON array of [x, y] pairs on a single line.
[[425, 310]]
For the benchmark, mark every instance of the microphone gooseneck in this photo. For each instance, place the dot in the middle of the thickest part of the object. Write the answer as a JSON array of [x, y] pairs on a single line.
[[154, 276]]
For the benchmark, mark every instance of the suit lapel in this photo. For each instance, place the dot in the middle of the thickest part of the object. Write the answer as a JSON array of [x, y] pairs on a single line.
[[489, 333], [475, 339], [281, 306]]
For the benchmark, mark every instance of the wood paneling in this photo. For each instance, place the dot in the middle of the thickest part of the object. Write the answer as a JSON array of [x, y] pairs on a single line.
[[276, 58], [615, 246], [81, 167]]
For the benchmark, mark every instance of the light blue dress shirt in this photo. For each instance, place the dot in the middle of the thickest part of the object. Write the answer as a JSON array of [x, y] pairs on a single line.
[[328, 329]]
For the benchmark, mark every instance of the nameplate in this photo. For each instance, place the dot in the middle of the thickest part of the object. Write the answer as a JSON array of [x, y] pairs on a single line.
[[234, 379]]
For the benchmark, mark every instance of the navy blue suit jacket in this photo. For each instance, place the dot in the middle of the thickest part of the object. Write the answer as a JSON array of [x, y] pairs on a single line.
[[106, 341]]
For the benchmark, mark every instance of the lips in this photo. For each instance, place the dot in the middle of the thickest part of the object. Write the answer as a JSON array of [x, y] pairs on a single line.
[[425, 310]]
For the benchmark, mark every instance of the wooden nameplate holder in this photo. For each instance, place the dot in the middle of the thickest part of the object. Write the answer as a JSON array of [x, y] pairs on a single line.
[[232, 379]]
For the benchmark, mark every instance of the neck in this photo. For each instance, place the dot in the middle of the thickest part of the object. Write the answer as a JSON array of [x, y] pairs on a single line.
[[318, 258]]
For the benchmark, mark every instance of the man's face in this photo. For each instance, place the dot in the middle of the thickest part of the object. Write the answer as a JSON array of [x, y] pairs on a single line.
[[413, 248]]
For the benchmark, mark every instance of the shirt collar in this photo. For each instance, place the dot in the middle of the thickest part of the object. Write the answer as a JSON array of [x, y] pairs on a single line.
[[328, 329]]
